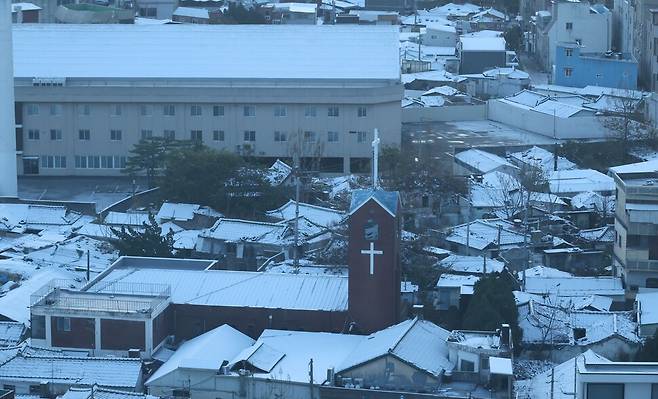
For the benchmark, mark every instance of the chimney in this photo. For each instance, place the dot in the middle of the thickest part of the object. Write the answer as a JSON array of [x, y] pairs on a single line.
[[505, 336], [418, 311]]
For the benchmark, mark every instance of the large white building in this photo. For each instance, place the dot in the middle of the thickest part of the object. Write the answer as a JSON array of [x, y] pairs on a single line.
[[86, 94]]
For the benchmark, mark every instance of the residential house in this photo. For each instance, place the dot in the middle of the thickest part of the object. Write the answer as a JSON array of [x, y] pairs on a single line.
[[191, 15], [497, 82], [187, 216], [290, 13], [54, 374], [439, 34], [25, 13], [568, 183], [637, 33], [558, 333], [11, 333], [598, 378], [572, 286], [489, 19], [589, 25], [96, 392], [646, 306], [479, 54], [475, 161], [451, 289], [475, 265], [576, 66], [542, 159], [485, 237], [319, 215], [636, 224]]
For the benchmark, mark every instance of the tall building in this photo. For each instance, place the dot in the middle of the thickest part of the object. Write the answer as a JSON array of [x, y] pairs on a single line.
[[86, 94], [637, 33], [636, 224], [7, 135]]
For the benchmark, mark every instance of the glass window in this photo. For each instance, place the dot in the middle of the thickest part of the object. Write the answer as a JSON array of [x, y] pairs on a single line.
[[568, 72], [55, 109], [169, 134], [218, 135], [218, 110], [146, 110], [332, 111], [169, 110], [569, 25], [84, 109], [484, 363], [568, 52], [33, 109], [196, 135], [55, 134], [280, 110], [64, 324], [332, 137], [310, 111], [605, 391], [249, 135], [115, 135], [654, 387], [362, 112], [115, 110], [146, 134], [467, 366], [309, 136], [33, 134], [361, 137], [280, 136], [195, 110], [249, 110], [84, 134]]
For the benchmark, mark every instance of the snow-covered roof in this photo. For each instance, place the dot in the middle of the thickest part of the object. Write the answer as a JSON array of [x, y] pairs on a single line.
[[389, 200], [236, 230], [543, 271], [578, 181], [111, 372], [648, 307], [11, 333], [489, 12], [439, 26], [233, 288], [192, 12], [541, 158], [600, 234], [510, 73], [483, 161], [590, 200], [317, 214], [207, 351], [416, 342], [278, 172], [471, 264], [484, 33], [456, 10], [15, 305], [639, 167], [575, 286], [432, 76], [561, 378], [18, 217], [285, 355], [303, 8], [543, 323], [560, 107], [24, 7], [177, 211], [96, 392], [476, 339], [482, 43], [199, 51], [372, 15], [442, 90], [587, 302], [126, 218], [484, 232], [465, 283]]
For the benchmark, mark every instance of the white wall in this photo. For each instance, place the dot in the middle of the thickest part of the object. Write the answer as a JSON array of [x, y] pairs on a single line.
[[8, 184], [575, 127], [439, 38], [443, 114]]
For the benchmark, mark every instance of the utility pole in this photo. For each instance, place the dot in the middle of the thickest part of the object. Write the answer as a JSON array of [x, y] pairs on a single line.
[[555, 143], [310, 375], [88, 266], [552, 381], [297, 173], [375, 161]]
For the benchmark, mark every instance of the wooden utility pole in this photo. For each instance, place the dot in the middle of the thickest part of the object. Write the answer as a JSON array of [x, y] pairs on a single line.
[[310, 375]]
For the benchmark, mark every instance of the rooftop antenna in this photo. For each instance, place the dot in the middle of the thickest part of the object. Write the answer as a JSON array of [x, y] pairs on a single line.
[[375, 161]]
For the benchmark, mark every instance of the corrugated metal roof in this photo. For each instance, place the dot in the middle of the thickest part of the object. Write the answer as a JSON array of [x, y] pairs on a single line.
[[239, 289]]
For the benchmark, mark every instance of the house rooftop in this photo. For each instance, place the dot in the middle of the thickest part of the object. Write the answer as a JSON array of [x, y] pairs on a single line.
[[484, 233], [574, 286], [184, 51], [96, 392], [11, 333], [237, 230], [193, 284], [82, 371], [482, 43], [482, 161], [578, 181], [317, 214], [471, 264]]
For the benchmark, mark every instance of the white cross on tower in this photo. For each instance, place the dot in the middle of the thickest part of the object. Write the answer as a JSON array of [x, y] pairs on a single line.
[[372, 254]]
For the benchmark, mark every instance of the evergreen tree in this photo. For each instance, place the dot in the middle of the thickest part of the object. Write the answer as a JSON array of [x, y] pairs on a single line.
[[147, 242], [148, 157]]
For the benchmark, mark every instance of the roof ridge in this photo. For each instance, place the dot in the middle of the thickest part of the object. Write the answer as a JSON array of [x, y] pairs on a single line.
[[404, 334]]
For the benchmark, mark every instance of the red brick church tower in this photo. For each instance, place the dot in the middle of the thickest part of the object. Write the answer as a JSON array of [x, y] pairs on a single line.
[[373, 257]]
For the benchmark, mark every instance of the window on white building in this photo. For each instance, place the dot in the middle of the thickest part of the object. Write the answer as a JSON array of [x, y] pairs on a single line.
[[568, 52], [195, 110], [249, 110], [280, 136], [362, 112], [84, 134], [310, 111], [55, 109], [280, 110], [361, 137], [196, 136], [569, 25], [146, 134], [218, 135], [115, 135], [218, 110], [55, 134], [146, 110], [33, 109], [33, 134], [332, 111], [169, 110], [249, 135], [169, 134], [332, 137], [115, 110]]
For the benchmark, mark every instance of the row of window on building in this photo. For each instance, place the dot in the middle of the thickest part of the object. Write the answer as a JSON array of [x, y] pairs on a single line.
[[195, 110], [84, 161], [197, 135]]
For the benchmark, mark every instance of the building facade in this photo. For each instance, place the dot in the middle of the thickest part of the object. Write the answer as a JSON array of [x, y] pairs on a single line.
[[84, 121], [576, 67], [637, 33], [636, 224], [579, 22]]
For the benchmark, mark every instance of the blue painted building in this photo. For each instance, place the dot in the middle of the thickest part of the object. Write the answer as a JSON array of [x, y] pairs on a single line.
[[577, 68]]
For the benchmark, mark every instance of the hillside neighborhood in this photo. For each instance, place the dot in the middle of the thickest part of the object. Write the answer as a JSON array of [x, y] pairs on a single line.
[[358, 199]]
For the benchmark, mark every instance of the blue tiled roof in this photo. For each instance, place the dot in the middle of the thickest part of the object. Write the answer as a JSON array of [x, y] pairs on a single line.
[[388, 199]]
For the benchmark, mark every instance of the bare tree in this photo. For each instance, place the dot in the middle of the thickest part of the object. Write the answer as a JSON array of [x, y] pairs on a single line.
[[625, 122]]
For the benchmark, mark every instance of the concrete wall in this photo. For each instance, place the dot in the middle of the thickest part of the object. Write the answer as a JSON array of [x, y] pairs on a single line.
[[400, 375], [480, 61], [381, 101], [447, 113], [439, 38], [575, 127], [8, 183]]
